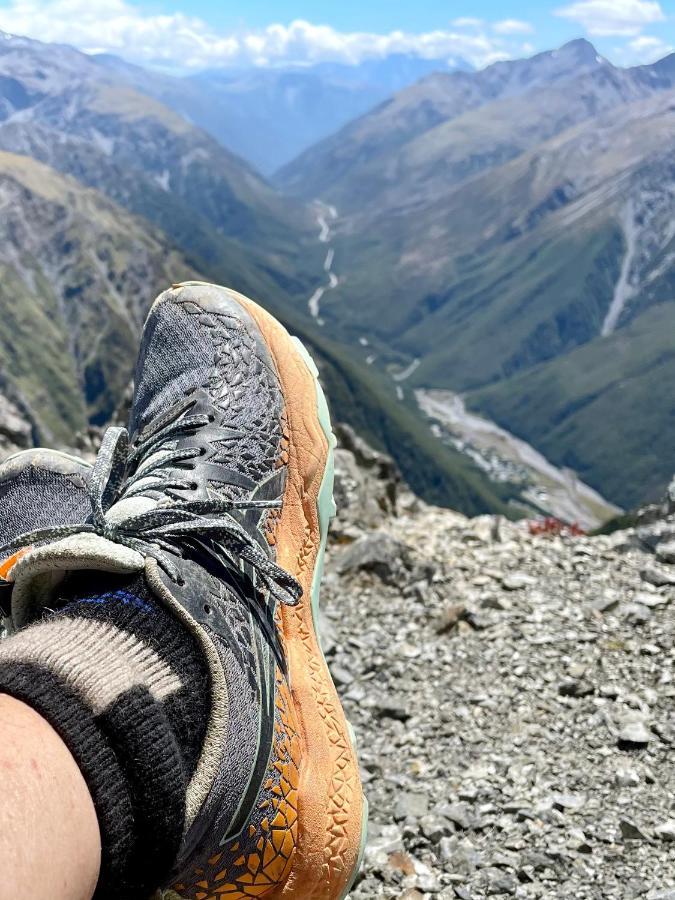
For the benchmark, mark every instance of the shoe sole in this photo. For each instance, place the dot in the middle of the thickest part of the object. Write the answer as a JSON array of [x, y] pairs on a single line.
[[331, 807]]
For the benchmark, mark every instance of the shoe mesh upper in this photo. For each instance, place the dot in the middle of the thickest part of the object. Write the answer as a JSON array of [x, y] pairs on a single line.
[[186, 348], [35, 497]]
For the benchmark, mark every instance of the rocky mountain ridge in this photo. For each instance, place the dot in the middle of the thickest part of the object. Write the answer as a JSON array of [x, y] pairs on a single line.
[[270, 115]]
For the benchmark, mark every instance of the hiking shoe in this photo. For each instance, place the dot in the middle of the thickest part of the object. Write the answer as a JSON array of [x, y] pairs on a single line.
[[223, 499], [39, 489]]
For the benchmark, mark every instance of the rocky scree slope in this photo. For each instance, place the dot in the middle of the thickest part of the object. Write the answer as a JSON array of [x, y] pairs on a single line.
[[512, 696]]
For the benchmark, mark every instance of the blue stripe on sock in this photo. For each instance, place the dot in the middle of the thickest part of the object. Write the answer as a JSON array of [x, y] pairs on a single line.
[[111, 597]]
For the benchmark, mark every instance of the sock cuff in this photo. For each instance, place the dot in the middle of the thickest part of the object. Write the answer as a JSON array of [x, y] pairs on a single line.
[[98, 660], [123, 684]]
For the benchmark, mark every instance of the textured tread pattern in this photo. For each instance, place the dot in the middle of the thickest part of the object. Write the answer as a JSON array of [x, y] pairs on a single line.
[[259, 860], [344, 786]]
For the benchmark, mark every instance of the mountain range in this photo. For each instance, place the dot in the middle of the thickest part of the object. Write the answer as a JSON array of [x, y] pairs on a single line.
[[505, 234], [511, 232], [270, 115], [79, 128]]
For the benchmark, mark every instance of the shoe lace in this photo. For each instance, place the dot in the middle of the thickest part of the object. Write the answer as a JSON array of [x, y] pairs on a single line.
[[162, 532]]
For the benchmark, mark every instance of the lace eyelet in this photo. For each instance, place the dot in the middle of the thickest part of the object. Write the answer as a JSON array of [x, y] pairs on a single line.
[[207, 609], [180, 581]]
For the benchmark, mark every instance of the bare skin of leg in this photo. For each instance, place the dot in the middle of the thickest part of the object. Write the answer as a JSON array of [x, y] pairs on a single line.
[[50, 844]]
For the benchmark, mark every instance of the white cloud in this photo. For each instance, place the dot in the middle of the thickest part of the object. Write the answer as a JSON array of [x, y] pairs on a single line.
[[118, 27], [513, 26], [643, 49], [625, 18], [467, 22], [177, 39]]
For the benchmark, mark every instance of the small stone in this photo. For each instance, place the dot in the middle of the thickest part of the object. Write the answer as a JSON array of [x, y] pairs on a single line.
[[499, 882], [575, 688], [516, 581], [631, 832], [490, 601], [656, 576], [537, 860], [462, 858], [627, 778], [446, 848], [434, 827], [412, 806], [402, 862], [650, 600], [456, 813], [461, 892], [577, 841], [341, 676], [606, 603], [611, 691], [382, 840], [392, 707], [665, 552], [666, 830], [572, 802], [426, 880], [633, 734], [379, 553], [451, 617], [636, 613]]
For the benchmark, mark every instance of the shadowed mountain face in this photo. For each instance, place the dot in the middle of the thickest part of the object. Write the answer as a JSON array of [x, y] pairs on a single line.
[[78, 275], [512, 231]]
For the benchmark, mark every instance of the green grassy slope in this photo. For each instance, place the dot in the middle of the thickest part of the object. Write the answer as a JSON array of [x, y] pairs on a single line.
[[606, 409], [525, 304]]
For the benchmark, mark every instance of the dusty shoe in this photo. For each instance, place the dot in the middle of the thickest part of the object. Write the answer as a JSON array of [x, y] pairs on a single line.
[[40, 489], [223, 500]]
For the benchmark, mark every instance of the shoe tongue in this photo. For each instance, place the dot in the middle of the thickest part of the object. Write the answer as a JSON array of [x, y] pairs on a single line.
[[127, 508], [39, 572]]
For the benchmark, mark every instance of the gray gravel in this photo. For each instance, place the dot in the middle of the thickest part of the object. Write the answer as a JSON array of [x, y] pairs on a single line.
[[512, 698]]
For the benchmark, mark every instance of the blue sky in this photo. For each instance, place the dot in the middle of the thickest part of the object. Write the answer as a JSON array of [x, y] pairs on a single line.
[[192, 34]]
